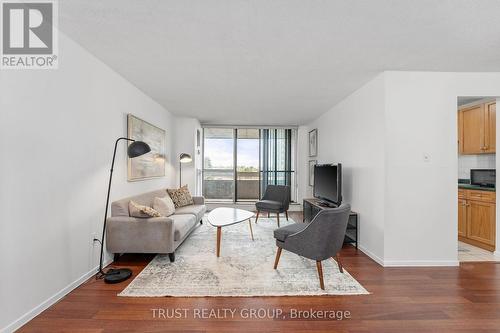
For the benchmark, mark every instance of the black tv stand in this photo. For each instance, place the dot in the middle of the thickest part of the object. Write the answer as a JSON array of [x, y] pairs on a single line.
[[326, 204], [313, 206]]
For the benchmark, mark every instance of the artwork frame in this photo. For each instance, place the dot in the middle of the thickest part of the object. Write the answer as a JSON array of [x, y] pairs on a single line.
[[312, 163], [313, 142], [152, 164]]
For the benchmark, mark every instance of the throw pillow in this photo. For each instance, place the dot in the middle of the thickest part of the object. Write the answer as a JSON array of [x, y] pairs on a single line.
[[136, 210], [165, 206], [181, 196]]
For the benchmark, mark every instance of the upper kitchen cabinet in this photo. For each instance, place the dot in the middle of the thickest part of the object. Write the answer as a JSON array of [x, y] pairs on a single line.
[[477, 129], [491, 121]]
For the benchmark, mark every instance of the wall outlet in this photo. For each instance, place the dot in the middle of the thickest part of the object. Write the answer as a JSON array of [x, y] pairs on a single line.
[[94, 239]]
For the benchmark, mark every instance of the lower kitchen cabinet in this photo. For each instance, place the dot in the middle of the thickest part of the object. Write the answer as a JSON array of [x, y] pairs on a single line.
[[476, 218]]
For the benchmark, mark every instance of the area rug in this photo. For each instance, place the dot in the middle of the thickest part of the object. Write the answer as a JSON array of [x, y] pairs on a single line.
[[244, 268]]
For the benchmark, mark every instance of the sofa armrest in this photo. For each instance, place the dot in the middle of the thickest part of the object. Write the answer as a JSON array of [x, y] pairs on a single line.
[[126, 234], [199, 200]]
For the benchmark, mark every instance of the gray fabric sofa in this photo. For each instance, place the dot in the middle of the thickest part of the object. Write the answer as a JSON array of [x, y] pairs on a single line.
[[125, 234]]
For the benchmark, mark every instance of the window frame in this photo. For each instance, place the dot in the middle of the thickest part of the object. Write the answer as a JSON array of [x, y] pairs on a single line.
[[293, 153]]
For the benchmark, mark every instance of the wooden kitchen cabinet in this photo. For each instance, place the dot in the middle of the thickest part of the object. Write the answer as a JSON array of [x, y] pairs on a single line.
[[462, 217], [481, 226], [491, 129], [477, 218], [477, 129]]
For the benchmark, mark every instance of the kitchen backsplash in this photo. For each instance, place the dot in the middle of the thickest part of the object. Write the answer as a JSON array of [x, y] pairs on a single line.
[[467, 162]]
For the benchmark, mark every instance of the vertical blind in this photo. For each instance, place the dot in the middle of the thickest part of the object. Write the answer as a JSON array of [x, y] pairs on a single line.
[[276, 157]]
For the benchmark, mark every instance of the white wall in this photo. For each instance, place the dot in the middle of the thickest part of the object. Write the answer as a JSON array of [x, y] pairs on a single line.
[[421, 197], [185, 142], [398, 133], [352, 133], [56, 142]]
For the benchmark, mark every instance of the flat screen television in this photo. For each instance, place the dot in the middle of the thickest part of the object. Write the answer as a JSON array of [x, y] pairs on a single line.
[[328, 183]]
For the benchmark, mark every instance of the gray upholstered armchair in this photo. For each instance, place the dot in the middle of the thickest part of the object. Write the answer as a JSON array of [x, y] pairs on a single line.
[[276, 199], [318, 240]]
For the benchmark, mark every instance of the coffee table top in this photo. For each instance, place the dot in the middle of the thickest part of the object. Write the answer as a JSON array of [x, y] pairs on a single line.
[[223, 216]]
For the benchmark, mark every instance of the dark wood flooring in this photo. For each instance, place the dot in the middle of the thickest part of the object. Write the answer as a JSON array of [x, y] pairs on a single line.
[[441, 299]]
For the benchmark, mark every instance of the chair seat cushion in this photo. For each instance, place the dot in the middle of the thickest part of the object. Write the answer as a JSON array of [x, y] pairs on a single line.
[[282, 233], [268, 205], [196, 210], [182, 224]]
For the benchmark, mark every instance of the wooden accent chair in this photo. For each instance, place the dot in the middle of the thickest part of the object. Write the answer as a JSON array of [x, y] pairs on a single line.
[[318, 240], [276, 199]]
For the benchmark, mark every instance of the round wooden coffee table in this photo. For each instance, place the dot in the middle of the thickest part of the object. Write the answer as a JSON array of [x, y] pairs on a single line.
[[223, 216]]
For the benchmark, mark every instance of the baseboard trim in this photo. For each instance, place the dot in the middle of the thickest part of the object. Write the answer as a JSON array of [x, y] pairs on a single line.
[[370, 254], [407, 263], [18, 323], [420, 263]]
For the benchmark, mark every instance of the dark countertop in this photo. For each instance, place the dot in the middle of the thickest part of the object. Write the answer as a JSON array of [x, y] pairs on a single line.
[[476, 187]]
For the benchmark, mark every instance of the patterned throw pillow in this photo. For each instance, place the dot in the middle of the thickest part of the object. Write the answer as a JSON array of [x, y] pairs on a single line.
[[165, 206], [136, 210], [181, 197]]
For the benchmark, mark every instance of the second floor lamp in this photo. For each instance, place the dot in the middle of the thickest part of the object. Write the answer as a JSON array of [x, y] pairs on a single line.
[[183, 158]]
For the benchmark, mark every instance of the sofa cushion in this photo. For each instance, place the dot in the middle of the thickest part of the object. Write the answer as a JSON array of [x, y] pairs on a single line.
[[196, 210], [165, 206], [182, 225], [181, 196], [282, 233], [120, 207], [136, 210], [268, 205]]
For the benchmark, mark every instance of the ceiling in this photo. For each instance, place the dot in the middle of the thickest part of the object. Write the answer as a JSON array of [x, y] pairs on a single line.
[[463, 100], [268, 62]]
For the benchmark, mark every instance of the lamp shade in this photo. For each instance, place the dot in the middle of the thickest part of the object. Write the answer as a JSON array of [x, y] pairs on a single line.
[[185, 158], [138, 148]]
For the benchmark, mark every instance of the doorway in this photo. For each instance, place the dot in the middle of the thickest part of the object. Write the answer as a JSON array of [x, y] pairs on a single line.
[[477, 179]]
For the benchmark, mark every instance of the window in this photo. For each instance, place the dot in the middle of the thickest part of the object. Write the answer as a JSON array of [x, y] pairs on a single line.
[[218, 163], [239, 163], [247, 164]]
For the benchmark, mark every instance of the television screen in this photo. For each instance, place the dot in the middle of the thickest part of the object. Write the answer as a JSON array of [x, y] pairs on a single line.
[[328, 182]]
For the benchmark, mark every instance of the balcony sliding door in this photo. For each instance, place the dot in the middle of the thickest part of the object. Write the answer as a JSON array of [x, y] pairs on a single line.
[[218, 163], [247, 164], [239, 163], [276, 162]]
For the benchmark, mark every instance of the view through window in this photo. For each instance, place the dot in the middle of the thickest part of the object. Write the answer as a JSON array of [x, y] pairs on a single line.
[[239, 163]]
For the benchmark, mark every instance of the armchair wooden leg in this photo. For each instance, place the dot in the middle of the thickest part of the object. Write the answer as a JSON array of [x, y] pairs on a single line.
[[219, 236], [278, 254], [257, 217], [268, 214], [320, 273], [250, 224], [278, 218], [116, 256], [337, 258], [286, 214]]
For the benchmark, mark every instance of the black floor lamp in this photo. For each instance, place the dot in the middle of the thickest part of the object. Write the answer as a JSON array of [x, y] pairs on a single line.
[[135, 149], [183, 158]]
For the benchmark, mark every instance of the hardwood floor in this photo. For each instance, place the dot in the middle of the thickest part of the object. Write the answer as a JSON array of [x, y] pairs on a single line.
[[440, 299]]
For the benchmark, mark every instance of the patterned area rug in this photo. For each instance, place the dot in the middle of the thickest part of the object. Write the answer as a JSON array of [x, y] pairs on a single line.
[[245, 268]]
